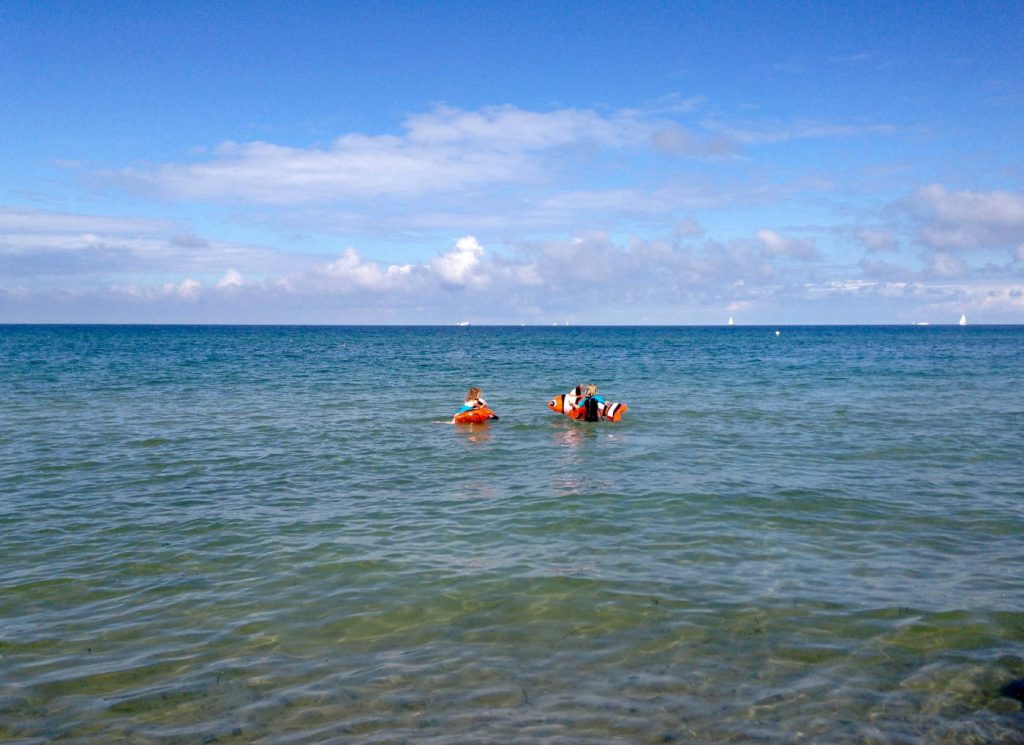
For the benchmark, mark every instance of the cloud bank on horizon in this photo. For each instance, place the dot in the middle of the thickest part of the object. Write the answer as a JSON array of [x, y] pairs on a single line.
[[687, 205]]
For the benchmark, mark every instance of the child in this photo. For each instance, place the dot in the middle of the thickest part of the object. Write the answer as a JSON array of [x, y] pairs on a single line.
[[592, 403], [474, 400]]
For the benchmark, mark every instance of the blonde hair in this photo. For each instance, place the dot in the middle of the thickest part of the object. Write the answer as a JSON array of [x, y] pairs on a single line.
[[473, 393], [590, 389]]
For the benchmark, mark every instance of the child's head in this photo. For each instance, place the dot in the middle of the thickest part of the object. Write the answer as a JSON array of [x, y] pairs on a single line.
[[473, 393], [590, 390]]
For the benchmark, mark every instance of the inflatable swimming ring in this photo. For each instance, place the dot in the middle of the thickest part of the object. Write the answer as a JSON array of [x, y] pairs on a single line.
[[568, 404], [474, 416]]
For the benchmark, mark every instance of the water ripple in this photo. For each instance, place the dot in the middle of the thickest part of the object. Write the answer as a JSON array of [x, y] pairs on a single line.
[[270, 535]]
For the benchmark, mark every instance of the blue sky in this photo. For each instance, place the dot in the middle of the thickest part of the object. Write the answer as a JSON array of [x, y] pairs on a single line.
[[600, 162]]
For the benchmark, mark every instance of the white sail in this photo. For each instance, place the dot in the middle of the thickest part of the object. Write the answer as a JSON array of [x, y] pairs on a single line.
[[963, 319], [730, 320]]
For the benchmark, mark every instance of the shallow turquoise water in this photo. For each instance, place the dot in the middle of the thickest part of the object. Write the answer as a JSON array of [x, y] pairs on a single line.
[[239, 534]]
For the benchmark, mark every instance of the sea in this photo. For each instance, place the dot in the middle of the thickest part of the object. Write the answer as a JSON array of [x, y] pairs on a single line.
[[234, 534]]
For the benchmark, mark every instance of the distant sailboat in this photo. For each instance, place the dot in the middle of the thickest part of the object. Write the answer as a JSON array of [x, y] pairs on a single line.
[[963, 319], [730, 320]]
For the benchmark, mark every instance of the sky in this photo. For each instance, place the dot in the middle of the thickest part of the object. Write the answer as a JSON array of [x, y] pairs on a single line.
[[578, 163]]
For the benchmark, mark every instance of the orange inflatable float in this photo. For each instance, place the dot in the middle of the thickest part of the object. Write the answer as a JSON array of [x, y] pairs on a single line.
[[474, 416], [569, 404]]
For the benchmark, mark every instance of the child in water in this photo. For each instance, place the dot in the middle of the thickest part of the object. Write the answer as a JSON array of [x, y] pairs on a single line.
[[474, 400], [591, 402]]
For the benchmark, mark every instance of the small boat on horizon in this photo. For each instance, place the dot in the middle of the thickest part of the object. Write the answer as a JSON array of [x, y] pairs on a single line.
[[963, 319], [730, 321]]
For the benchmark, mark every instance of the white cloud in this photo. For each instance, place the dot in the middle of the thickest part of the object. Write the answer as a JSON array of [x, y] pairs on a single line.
[[588, 278], [841, 287], [448, 151], [510, 129], [353, 167], [164, 270], [688, 228], [678, 140], [596, 268], [874, 240], [230, 281], [347, 274], [997, 298], [25, 232], [991, 299], [633, 201], [591, 273], [543, 211], [739, 305], [885, 270], [187, 289], [460, 266], [800, 130], [776, 245], [443, 151], [46, 243], [943, 264], [968, 219], [22, 221]]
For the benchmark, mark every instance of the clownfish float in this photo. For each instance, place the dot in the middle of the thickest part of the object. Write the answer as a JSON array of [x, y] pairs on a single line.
[[576, 406], [474, 416]]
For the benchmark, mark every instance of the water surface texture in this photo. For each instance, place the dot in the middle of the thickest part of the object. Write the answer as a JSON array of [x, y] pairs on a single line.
[[235, 534]]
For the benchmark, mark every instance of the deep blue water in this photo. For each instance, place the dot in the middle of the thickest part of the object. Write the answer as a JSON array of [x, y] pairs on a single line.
[[271, 534]]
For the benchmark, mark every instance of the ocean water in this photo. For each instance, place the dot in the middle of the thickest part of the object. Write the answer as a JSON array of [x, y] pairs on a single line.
[[253, 534]]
